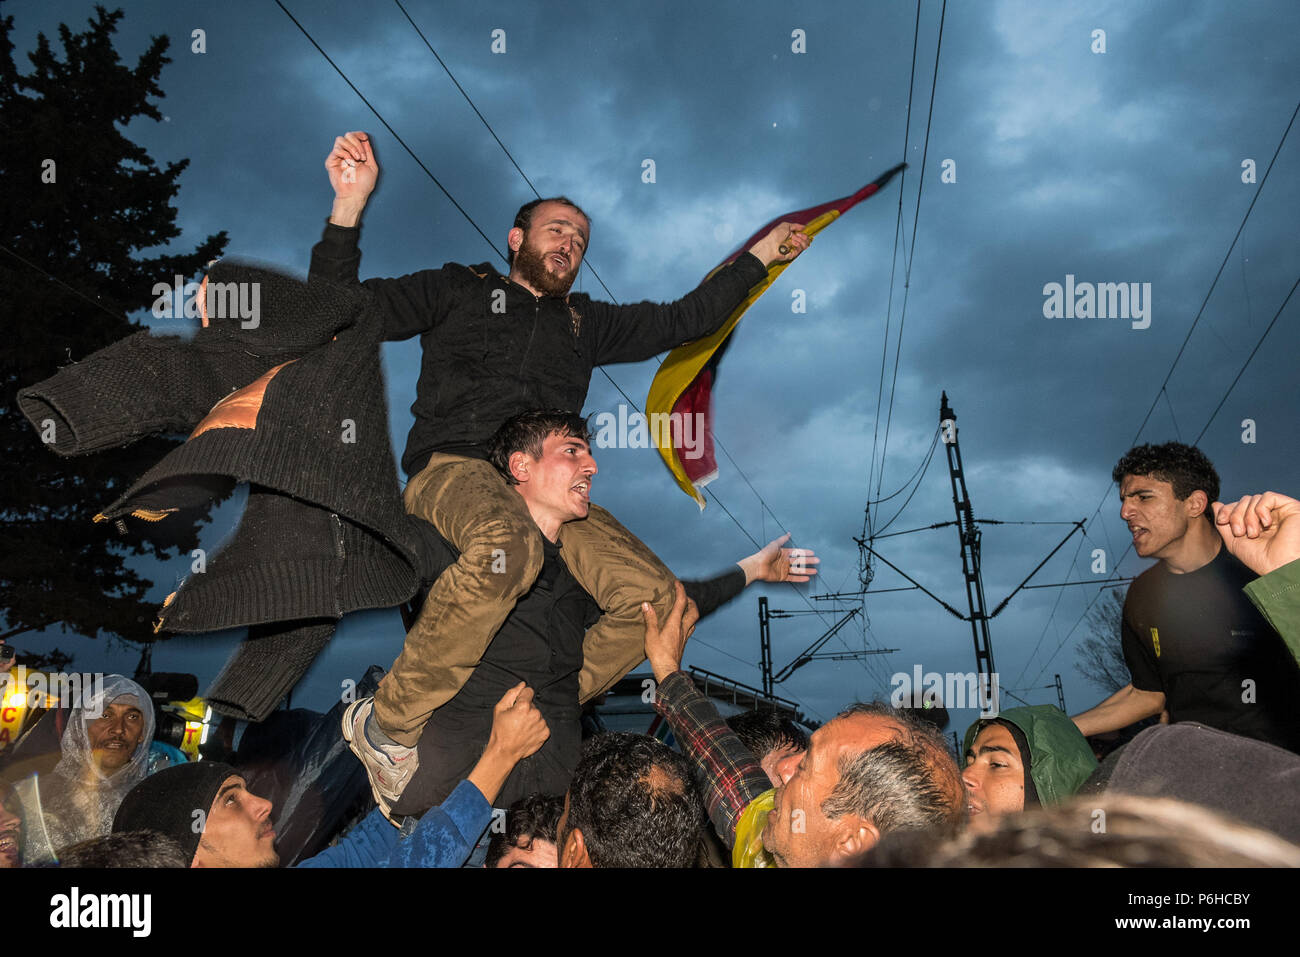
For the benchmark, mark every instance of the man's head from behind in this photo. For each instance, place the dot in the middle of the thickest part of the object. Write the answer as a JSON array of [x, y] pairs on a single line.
[[868, 772], [774, 739], [546, 455], [632, 803], [1138, 832], [546, 245], [1163, 489], [529, 837], [208, 810]]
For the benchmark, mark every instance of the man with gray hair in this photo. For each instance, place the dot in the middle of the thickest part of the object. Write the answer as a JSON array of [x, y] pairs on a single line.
[[869, 771]]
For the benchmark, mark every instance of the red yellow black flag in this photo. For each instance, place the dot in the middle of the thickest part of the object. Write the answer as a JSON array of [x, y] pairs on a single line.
[[681, 392]]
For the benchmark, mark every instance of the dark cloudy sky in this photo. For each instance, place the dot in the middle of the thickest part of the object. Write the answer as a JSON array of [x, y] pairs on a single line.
[[1122, 166]]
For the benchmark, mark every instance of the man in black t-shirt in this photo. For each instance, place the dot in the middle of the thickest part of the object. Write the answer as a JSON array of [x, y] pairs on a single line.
[[1194, 644]]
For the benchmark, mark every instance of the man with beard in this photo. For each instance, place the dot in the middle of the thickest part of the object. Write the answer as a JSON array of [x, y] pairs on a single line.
[[494, 346]]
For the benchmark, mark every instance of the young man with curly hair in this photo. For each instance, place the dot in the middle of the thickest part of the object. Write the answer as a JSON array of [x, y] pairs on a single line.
[[1194, 645]]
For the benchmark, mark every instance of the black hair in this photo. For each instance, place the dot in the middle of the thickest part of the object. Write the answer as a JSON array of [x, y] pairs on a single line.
[[524, 218], [528, 431], [1185, 467], [764, 730], [636, 803], [125, 849], [534, 818]]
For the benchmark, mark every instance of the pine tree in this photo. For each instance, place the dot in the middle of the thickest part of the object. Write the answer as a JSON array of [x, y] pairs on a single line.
[[80, 204]]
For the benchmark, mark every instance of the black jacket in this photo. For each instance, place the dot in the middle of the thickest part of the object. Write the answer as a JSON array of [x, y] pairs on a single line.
[[491, 349]]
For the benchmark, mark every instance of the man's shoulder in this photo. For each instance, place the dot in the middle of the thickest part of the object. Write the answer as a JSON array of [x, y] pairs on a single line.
[[1230, 568], [475, 273]]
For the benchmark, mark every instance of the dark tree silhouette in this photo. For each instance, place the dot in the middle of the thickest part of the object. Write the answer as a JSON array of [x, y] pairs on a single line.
[[1100, 656], [80, 204]]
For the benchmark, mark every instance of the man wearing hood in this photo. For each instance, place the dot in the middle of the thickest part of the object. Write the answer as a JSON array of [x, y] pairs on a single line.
[[105, 753], [1023, 758]]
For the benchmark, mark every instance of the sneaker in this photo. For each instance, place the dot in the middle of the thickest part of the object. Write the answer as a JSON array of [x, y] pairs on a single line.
[[390, 767]]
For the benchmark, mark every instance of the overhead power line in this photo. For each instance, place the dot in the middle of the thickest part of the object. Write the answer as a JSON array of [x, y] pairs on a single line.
[[911, 258], [1155, 401]]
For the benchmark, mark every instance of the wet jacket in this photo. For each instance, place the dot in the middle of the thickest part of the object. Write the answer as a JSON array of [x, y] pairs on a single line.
[[444, 837], [1059, 756]]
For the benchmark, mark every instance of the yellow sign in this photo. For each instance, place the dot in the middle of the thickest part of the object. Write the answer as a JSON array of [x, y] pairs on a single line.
[[1155, 640], [14, 702]]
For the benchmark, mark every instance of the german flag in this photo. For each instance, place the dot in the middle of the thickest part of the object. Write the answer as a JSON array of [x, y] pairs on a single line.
[[682, 388]]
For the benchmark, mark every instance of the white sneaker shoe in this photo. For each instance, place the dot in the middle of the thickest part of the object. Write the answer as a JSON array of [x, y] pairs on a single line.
[[389, 767]]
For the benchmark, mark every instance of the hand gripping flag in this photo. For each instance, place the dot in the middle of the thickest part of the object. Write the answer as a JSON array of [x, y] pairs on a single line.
[[681, 393]]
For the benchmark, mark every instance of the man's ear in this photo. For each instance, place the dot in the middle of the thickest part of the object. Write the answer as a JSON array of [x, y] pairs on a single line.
[[519, 464], [515, 239], [857, 835], [574, 852], [1197, 503]]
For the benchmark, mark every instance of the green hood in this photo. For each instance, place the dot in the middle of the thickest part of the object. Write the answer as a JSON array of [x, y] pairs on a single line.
[[1059, 757]]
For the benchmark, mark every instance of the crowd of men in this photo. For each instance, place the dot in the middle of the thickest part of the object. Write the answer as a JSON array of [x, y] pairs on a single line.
[[538, 601], [875, 786]]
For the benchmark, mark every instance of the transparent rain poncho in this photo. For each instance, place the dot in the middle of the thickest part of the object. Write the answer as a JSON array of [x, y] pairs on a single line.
[[77, 800]]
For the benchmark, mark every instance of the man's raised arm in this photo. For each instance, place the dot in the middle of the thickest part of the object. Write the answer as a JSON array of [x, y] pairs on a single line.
[[410, 304], [730, 776], [353, 172], [638, 331]]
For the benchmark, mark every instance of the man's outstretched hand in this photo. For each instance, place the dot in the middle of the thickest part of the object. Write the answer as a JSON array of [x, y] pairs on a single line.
[[773, 563], [664, 645], [1262, 531], [790, 235], [353, 172]]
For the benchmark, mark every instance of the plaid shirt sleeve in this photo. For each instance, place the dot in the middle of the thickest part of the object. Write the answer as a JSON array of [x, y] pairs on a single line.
[[730, 774]]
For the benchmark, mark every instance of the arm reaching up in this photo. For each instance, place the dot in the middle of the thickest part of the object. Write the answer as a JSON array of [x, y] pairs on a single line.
[[353, 172]]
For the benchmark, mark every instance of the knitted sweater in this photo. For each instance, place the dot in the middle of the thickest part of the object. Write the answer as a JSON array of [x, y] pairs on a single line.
[[293, 405]]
